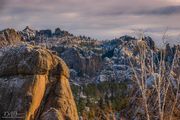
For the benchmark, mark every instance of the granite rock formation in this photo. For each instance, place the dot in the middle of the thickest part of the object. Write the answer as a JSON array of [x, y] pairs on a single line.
[[34, 83], [9, 37]]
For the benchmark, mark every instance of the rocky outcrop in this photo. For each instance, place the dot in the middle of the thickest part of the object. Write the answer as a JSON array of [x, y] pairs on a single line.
[[28, 34], [84, 62], [61, 33], [34, 83], [150, 42], [9, 37], [45, 33]]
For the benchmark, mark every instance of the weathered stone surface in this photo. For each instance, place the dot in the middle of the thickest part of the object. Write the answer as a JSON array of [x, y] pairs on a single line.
[[34, 82], [9, 37], [84, 64]]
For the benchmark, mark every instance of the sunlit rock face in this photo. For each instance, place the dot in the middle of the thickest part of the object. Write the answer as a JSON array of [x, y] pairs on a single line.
[[34, 83], [9, 37]]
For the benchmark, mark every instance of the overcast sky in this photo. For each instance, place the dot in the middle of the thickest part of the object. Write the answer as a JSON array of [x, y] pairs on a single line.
[[101, 19]]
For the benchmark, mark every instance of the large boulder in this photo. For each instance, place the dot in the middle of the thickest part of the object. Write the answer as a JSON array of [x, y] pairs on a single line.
[[34, 83]]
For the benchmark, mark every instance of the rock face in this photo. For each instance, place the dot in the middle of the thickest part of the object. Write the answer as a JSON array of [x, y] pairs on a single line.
[[82, 62], [9, 37], [61, 33], [45, 33], [34, 83], [28, 33]]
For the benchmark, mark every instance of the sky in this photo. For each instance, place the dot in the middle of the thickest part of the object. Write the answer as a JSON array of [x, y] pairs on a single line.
[[100, 19]]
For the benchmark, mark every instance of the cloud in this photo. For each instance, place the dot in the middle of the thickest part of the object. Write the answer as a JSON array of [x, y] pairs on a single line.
[[2, 4], [102, 19], [169, 10]]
